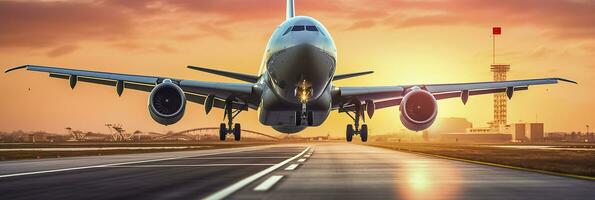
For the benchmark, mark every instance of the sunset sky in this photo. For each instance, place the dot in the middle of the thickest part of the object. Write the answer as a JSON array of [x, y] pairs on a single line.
[[403, 41]]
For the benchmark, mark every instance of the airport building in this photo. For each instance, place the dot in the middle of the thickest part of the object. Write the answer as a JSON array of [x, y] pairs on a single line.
[[461, 130], [525, 132], [475, 138]]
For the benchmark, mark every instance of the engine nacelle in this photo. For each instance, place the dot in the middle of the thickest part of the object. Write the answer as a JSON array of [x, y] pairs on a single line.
[[418, 109], [167, 103]]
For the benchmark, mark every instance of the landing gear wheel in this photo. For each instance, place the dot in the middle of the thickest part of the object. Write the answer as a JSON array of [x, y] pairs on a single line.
[[364, 133], [222, 131], [349, 133], [298, 118], [237, 131], [310, 118]]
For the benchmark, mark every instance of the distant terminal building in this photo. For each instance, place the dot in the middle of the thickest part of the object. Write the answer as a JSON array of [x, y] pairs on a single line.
[[525, 132], [475, 138], [481, 130]]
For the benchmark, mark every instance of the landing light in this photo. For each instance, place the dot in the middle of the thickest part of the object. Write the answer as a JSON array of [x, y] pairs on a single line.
[[303, 91]]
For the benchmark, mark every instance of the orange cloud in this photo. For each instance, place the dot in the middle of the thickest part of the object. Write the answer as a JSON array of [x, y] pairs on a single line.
[[562, 19], [49, 24], [63, 50], [361, 25]]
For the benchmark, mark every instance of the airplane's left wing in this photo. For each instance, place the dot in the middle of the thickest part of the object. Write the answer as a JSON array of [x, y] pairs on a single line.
[[388, 96], [195, 91]]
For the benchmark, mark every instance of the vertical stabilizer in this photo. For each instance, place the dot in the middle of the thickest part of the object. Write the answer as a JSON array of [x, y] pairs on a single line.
[[290, 9]]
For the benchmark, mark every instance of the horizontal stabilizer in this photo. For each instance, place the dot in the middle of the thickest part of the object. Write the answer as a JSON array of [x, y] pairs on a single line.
[[350, 75], [234, 75]]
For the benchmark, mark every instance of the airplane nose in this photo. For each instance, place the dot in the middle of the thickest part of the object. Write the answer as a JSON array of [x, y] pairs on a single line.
[[307, 38], [301, 72]]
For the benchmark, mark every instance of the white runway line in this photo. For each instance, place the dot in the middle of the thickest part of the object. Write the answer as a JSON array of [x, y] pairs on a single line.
[[291, 167], [101, 148], [302, 160], [307, 156], [240, 184], [223, 158], [266, 185], [111, 165], [199, 165]]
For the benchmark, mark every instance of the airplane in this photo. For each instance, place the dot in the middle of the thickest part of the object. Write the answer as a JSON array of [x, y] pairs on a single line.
[[294, 89]]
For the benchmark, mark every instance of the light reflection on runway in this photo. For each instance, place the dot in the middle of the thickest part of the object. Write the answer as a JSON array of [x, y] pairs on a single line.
[[427, 180]]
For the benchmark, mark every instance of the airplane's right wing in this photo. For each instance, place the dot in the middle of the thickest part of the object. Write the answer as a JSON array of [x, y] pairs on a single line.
[[347, 98]]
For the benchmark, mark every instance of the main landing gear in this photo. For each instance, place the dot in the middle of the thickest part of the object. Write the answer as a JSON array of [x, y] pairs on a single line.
[[230, 113], [355, 129]]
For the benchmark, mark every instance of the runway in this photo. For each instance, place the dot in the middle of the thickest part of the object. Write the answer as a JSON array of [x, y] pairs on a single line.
[[297, 171]]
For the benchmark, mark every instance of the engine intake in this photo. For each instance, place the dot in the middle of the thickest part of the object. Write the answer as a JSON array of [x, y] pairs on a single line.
[[418, 109], [167, 103]]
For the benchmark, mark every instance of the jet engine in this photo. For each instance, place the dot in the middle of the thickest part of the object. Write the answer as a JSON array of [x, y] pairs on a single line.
[[167, 103], [418, 109]]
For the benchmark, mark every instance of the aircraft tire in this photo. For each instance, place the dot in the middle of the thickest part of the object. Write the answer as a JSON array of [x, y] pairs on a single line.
[[349, 133], [364, 133], [222, 131], [237, 132]]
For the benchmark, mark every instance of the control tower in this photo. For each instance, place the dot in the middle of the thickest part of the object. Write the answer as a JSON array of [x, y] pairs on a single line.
[[499, 98]]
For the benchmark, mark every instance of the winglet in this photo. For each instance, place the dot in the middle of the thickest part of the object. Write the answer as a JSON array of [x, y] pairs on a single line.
[[16, 68], [567, 80], [234, 75]]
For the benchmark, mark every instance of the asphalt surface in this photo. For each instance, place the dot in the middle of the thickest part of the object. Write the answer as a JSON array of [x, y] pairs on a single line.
[[300, 171]]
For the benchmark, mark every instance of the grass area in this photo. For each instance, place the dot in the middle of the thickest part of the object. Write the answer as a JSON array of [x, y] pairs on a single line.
[[576, 162], [32, 154]]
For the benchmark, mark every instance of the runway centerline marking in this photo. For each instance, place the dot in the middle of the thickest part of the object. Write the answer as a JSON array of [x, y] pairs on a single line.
[[242, 183], [198, 165], [302, 160], [291, 167], [307, 156], [113, 164], [266, 185]]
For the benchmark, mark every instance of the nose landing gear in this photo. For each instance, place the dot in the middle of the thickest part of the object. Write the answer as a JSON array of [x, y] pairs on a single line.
[[304, 116]]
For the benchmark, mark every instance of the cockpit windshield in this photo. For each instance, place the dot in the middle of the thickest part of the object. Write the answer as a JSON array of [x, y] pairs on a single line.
[[301, 28], [297, 28]]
